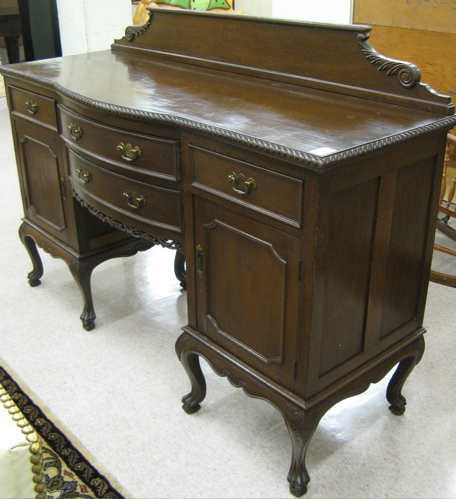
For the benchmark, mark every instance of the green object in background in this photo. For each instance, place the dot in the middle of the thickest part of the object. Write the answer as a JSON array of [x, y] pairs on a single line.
[[176, 3], [209, 4], [197, 4]]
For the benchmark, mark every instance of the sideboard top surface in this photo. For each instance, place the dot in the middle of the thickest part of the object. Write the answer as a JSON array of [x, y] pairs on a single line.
[[314, 126]]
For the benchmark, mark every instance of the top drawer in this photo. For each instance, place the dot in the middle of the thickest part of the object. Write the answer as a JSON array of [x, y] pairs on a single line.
[[273, 194], [33, 107], [154, 156]]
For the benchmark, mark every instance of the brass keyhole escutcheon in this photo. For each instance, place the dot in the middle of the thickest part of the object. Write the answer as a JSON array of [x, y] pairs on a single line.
[[240, 184], [134, 200], [199, 259], [128, 152]]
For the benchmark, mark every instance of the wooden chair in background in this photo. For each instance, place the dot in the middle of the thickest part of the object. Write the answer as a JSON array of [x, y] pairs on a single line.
[[447, 206], [142, 15]]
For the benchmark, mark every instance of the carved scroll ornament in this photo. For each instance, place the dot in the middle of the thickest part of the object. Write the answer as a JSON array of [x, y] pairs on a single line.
[[408, 74]]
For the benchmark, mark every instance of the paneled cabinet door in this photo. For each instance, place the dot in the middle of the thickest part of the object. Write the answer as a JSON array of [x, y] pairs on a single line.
[[43, 184], [247, 277]]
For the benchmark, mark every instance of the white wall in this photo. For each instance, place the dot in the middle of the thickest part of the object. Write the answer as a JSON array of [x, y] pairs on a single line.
[[88, 25], [321, 11], [261, 8]]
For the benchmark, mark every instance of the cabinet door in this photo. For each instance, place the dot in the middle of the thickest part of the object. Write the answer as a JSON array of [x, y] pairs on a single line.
[[247, 277], [42, 179]]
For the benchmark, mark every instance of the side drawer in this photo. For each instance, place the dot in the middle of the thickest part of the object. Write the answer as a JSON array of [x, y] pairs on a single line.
[[130, 202], [33, 107], [270, 193], [142, 153]]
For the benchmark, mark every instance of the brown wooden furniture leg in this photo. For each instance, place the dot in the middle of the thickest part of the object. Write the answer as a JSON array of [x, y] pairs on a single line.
[[301, 426], [81, 270], [82, 273], [301, 423], [405, 367], [179, 269], [301, 417], [190, 362], [81, 267], [29, 243]]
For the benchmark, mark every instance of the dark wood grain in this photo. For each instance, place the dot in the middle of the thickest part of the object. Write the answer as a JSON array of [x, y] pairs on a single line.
[[106, 191], [244, 108], [276, 195], [306, 268], [158, 157], [45, 114]]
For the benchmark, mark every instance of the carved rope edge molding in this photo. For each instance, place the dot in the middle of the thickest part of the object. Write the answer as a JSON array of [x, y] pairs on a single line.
[[407, 73], [287, 153], [166, 243]]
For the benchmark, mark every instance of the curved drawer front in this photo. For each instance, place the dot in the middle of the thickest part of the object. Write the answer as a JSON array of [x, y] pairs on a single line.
[[264, 191], [33, 107], [154, 156], [133, 203]]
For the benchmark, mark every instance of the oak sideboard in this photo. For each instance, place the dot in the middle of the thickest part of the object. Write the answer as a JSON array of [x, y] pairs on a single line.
[[295, 168]]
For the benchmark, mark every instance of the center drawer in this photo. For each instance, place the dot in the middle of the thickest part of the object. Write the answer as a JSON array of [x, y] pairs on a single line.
[[135, 204], [150, 155]]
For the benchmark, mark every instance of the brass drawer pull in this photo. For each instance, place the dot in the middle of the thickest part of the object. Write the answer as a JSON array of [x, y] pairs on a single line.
[[75, 131], [84, 175], [128, 152], [32, 106], [133, 200], [240, 184]]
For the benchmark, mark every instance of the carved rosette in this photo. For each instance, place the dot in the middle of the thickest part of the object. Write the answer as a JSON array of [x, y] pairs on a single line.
[[408, 74]]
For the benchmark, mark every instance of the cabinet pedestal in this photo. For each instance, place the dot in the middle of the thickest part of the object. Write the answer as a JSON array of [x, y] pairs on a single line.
[[301, 417]]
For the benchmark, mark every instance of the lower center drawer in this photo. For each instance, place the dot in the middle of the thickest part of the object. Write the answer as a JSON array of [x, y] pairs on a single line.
[[135, 204]]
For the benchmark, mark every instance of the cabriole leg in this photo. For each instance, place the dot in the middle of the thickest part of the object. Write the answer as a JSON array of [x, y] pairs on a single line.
[[179, 269], [190, 361], [82, 273], [405, 367], [301, 427], [30, 245]]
